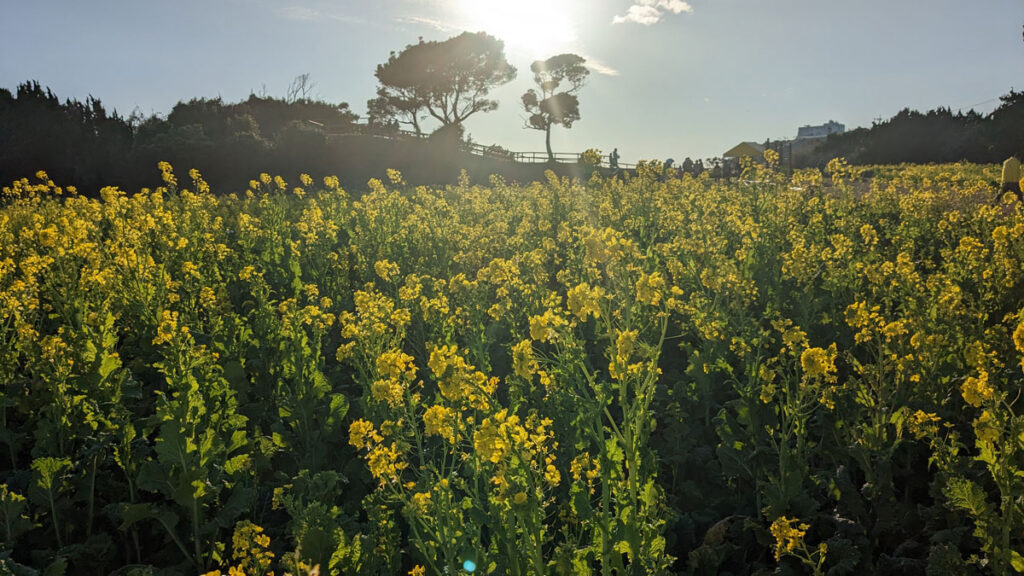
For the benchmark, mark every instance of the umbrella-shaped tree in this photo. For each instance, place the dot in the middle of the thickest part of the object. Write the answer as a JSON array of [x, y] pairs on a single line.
[[547, 106]]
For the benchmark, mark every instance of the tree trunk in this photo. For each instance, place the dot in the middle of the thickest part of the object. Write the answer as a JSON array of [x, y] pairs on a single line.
[[547, 142]]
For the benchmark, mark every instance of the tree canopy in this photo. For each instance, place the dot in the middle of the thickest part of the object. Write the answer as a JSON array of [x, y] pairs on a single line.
[[447, 80], [548, 107]]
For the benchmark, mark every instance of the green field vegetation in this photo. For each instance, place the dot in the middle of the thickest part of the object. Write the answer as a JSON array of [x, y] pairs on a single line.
[[805, 374]]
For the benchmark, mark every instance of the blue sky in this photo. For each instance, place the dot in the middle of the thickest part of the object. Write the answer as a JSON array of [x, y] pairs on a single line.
[[671, 78]]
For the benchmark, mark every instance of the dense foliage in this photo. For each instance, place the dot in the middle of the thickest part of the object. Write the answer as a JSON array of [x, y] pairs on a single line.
[[85, 144], [938, 135], [815, 374]]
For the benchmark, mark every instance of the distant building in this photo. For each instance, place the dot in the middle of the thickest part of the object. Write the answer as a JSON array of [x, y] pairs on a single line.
[[822, 131], [751, 149]]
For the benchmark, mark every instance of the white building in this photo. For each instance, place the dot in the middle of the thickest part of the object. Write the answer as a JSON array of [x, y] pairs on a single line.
[[822, 131]]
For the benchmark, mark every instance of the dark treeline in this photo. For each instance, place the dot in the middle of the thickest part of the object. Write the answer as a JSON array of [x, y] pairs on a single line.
[[936, 136], [80, 143]]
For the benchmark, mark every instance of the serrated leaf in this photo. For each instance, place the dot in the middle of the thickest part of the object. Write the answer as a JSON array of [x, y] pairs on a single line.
[[110, 363], [967, 496], [338, 410], [237, 464]]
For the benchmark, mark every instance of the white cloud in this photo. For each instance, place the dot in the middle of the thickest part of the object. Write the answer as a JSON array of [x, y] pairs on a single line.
[[600, 67], [302, 13], [434, 23], [310, 14], [648, 12]]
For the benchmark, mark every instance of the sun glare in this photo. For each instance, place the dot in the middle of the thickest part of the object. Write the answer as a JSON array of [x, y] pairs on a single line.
[[535, 28]]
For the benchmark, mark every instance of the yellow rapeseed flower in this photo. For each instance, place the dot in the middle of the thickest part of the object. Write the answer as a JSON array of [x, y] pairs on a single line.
[[977, 390], [523, 362], [584, 301], [986, 428], [361, 434], [819, 362], [421, 503], [649, 287], [386, 269], [923, 424], [439, 421], [787, 537]]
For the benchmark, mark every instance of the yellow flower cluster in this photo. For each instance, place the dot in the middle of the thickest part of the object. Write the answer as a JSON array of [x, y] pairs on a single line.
[[386, 270], [524, 364], [819, 362], [649, 287], [923, 424], [986, 427], [440, 421], [545, 327], [584, 301], [496, 436], [787, 536], [396, 371], [362, 434], [625, 344], [977, 390], [251, 549], [421, 503], [460, 381], [168, 328]]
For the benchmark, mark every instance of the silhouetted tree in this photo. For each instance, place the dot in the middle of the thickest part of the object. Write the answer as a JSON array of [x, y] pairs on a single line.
[[301, 88], [549, 107], [448, 80], [1006, 126], [396, 105]]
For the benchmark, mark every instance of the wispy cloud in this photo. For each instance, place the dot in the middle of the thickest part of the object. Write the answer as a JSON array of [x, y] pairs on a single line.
[[310, 14], [648, 12], [600, 67], [434, 23]]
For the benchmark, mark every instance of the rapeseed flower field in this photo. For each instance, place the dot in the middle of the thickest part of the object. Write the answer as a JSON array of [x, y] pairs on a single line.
[[814, 373]]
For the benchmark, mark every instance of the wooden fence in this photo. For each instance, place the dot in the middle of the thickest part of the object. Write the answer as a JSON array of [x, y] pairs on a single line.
[[493, 152]]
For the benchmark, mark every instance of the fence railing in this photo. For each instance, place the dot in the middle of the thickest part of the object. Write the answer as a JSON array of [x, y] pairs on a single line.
[[493, 152]]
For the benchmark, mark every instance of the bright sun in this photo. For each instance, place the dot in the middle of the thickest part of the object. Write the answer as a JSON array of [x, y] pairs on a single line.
[[536, 28]]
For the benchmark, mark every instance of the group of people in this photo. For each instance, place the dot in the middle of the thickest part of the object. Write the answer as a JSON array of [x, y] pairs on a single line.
[[1011, 180]]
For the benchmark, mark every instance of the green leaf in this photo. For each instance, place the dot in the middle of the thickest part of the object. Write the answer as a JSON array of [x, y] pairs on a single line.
[[110, 363], [49, 469], [967, 496], [1017, 561], [237, 464], [153, 477], [338, 409], [581, 505], [234, 373], [132, 513], [58, 567]]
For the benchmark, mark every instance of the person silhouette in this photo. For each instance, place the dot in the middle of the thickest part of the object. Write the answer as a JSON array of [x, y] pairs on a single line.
[[1011, 176], [613, 159]]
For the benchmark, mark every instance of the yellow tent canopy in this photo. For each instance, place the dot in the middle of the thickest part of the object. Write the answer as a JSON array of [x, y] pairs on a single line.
[[751, 149]]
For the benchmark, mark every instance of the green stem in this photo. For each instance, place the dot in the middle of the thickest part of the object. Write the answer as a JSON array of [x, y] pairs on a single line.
[[174, 537], [56, 521], [10, 444], [92, 496]]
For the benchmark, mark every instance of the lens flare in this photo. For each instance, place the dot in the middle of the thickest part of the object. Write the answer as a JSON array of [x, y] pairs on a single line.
[[536, 28]]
